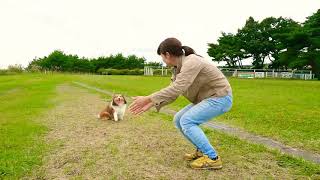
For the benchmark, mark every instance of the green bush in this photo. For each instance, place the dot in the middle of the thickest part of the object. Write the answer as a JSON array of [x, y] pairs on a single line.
[[3, 72], [120, 71], [12, 69], [17, 68], [158, 72], [34, 68]]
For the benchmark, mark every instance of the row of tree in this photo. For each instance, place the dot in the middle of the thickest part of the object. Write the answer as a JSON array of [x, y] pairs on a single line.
[[59, 61], [282, 41]]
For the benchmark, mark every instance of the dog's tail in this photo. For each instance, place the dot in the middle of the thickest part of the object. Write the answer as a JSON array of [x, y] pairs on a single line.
[[98, 116]]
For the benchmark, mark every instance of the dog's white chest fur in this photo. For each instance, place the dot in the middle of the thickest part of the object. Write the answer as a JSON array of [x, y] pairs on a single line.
[[119, 111]]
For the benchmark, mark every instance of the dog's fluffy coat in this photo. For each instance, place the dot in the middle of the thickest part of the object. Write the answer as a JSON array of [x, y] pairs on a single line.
[[115, 110]]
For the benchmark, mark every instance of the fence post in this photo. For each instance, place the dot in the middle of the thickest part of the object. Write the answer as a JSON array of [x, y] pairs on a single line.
[[254, 73], [292, 72], [272, 73], [311, 75]]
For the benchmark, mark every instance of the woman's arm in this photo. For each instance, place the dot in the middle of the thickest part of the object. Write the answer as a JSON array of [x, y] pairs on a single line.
[[184, 79], [189, 71]]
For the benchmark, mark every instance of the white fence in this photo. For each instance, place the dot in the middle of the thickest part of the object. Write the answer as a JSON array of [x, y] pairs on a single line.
[[150, 71], [266, 73], [244, 73]]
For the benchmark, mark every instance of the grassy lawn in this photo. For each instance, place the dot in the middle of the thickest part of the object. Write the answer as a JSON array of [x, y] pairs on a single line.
[[146, 147], [23, 98], [286, 110]]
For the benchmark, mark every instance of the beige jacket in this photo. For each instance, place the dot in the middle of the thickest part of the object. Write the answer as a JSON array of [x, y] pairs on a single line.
[[196, 79]]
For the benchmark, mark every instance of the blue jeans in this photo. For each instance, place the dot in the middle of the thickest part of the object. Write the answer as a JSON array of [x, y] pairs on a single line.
[[188, 119]]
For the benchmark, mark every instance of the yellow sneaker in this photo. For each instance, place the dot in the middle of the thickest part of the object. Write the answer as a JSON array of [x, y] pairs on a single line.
[[193, 156], [205, 162]]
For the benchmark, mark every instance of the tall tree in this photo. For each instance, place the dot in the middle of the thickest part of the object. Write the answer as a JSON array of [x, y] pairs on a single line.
[[228, 49], [274, 30], [303, 46], [312, 53]]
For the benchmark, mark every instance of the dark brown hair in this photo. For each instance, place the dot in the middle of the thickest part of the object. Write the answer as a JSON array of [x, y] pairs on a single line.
[[174, 47]]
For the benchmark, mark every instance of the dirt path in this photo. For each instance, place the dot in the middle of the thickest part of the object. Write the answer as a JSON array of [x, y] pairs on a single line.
[[88, 148], [144, 147]]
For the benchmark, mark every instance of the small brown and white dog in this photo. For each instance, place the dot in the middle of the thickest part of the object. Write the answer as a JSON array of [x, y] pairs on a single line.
[[115, 110]]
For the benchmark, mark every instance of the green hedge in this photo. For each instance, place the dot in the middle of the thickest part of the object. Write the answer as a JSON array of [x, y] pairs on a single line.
[[158, 72], [120, 71], [7, 72]]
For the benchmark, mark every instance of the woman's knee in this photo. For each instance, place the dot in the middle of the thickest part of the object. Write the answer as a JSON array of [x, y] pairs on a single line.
[[176, 120], [186, 121], [178, 115]]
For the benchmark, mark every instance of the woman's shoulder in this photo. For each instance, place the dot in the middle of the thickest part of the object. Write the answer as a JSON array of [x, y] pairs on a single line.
[[194, 59], [193, 56]]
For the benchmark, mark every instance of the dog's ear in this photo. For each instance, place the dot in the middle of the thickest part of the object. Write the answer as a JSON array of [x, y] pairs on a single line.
[[124, 99], [114, 103], [114, 95]]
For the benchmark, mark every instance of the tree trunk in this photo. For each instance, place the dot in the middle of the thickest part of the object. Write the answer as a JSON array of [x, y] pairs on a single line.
[[315, 67]]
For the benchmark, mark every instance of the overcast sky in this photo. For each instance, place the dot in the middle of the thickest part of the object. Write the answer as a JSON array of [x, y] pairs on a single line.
[[92, 28]]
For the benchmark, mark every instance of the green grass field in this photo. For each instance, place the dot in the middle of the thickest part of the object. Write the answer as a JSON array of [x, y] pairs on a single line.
[[23, 98], [285, 110]]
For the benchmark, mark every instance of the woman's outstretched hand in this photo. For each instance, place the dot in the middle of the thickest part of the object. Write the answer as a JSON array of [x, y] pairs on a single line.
[[140, 105]]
